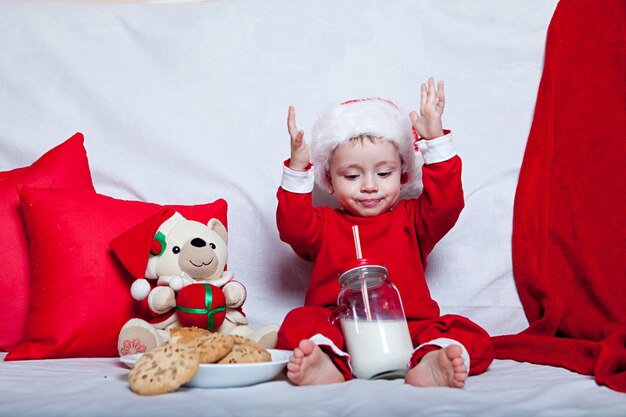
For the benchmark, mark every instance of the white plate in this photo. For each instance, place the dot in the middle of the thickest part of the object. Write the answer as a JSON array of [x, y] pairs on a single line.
[[232, 375]]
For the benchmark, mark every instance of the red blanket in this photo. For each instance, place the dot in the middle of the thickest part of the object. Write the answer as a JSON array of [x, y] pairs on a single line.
[[569, 226]]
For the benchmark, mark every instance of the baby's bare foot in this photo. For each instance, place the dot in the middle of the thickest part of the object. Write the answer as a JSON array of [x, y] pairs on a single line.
[[439, 368], [310, 366]]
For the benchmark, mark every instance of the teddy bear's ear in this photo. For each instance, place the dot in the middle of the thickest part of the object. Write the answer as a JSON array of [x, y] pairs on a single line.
[[218, 227]]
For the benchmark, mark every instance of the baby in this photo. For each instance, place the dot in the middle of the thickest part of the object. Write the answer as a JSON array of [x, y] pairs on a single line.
[[364, 153]]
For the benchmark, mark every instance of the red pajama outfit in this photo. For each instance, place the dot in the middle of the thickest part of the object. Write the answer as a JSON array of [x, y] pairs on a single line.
[[402, 237]]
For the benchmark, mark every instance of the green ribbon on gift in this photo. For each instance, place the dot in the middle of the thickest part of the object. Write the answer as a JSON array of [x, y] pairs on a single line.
[[208, 300]]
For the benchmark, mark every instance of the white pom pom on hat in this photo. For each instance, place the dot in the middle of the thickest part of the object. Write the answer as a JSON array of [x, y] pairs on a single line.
[[140, 289], [368, 116]]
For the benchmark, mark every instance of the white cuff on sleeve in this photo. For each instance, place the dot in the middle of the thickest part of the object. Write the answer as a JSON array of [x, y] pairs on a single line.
[[321, 340], [444, 342], [437, 150], [299, 182]]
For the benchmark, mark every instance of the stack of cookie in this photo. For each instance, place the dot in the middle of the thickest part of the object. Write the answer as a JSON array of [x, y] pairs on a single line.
[[169, 366]]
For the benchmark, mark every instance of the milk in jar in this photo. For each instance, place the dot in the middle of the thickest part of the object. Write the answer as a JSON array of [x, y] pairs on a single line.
[[377, 346], [375, 330]]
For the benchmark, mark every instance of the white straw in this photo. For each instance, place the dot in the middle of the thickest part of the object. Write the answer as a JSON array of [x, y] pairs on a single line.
[[359, 255], [357, 242]]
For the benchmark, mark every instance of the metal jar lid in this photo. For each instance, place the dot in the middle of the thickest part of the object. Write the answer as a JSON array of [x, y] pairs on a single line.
[[368, 265]]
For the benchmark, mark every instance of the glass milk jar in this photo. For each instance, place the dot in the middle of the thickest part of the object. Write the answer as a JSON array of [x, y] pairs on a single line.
[[372, 320]]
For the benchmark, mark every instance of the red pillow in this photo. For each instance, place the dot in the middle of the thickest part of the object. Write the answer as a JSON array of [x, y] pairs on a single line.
[[63, 166], [80, 292]]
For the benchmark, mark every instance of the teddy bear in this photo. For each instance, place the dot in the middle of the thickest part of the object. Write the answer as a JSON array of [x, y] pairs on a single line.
[[185, 258]]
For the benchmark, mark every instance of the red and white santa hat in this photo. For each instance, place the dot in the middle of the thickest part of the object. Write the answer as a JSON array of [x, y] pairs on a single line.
[[368, 116], [140, 246]]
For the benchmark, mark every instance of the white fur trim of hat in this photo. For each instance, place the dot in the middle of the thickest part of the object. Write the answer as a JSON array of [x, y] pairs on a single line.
[[369, 116]]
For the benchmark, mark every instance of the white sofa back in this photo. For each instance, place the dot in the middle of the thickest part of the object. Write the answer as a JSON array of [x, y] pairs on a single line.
[[186, 103]]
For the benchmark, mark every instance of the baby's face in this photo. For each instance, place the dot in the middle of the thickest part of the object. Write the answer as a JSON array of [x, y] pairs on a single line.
[[365, 176]]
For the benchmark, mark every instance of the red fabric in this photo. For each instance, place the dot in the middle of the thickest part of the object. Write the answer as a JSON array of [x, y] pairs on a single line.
[[66, 166], [401, 237], [80, 292], [568, 229], [134, 247]]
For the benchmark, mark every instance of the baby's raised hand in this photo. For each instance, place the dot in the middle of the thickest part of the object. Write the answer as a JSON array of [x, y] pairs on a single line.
[[300, 156], [432, 101]]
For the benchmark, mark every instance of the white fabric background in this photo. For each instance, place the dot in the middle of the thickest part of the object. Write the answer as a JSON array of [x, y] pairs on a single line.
[[186, 103]]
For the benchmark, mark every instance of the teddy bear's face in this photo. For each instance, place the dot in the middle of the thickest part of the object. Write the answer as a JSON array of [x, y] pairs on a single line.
[[199, 250]]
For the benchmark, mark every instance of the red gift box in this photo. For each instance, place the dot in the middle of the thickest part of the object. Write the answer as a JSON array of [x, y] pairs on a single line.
[[201, 305]]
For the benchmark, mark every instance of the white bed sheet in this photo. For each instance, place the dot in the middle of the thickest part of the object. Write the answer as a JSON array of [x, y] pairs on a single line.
[[99, 387]]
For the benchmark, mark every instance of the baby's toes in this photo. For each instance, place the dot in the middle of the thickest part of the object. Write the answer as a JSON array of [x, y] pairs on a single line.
[[294, 366]]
